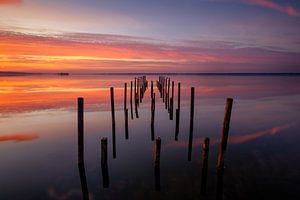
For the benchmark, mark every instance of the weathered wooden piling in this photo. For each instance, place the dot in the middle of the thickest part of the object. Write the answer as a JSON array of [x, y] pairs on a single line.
[[80, 118], [157, 164], [178, 93], [168, 100], [166, 93], [172, 103], [138, 91], [163, 89], [126, 123], [152, 116], [225, 130], [136, 107], [113, 121], [131, 109], [222, 148], [151, 89], [177, 124], [171, 108], [104, 165], [205, 151], [83, 181], [125, 96], [191, 124]]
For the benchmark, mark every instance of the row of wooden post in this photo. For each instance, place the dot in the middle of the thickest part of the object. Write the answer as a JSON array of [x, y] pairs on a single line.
[[205, 150]]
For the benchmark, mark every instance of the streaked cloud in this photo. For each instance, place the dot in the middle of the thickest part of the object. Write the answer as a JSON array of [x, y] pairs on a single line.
[[19, 137], [101, 52], [11, 1], [288, 9]]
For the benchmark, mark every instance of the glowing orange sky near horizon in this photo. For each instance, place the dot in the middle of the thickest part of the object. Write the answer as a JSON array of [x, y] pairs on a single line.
[[31, 53]]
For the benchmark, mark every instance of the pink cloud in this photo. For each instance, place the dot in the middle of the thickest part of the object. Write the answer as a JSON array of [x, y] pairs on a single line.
[[275, 6]]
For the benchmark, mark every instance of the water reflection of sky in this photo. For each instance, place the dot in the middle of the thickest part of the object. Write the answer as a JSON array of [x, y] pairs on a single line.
[[38, 138]]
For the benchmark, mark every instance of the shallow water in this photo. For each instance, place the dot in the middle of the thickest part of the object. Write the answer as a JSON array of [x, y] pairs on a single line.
[[38, 138]]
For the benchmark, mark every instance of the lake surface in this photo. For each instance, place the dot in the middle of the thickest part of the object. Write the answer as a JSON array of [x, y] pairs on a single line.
[[38, 138]]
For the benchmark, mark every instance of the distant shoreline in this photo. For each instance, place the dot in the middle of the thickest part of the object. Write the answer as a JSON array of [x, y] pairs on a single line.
[[154, 73]]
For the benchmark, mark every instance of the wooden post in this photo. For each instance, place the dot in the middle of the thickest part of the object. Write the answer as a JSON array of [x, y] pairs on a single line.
[[125, 96], [171, 106], [177, 124], [151, 89], [138, 91], [168, 102], [166, 93], [191, 124], [157, 164], [136, 106], [178, 101], [131, 109], [222, 148], [225, 130], [141, 93], [126, 124], [113, 121], [205, 151], [80, 118], [104, 165], [163, 89], [170, 112]]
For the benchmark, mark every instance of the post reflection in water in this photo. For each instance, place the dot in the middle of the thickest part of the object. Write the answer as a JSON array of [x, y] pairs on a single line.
[[157, 165], [83, 182], [104, 165]]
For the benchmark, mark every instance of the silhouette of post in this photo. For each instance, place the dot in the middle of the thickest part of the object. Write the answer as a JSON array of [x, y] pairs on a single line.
[[138, 91], [104, 165], [168, 101], [166, 93], [80, 118], [178, 101], [126, 124], [157, 164], [171, 109], [152, 116], [205, 151], [222, 148], [225, 130], [191, 124], [136, 106], [131, 109], [125, 96], [113, 121], [151, 89], [177, 124]]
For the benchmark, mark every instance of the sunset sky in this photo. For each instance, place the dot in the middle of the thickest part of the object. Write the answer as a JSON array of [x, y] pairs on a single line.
[[150, 36]]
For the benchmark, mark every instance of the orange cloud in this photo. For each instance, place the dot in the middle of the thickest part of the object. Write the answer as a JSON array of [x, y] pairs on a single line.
[[11, 1], [19, 137], [275, 6]]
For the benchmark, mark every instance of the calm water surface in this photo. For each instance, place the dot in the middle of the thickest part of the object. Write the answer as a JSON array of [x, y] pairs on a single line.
[[38, 138]]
